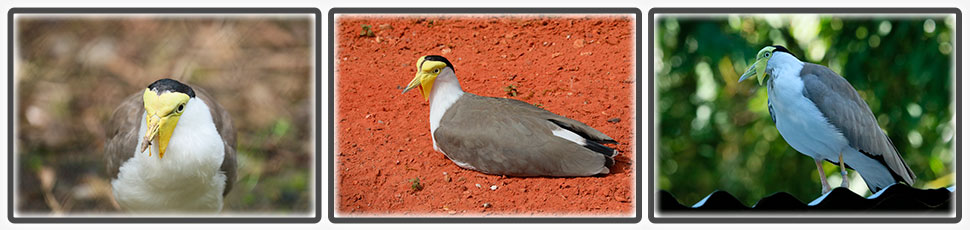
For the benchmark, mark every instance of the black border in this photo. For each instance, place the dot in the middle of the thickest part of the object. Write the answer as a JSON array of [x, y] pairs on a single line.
[[10, 103], [639, 160], [767, 219]]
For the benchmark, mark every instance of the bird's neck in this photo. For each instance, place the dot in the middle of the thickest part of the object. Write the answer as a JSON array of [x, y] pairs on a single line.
[[783, 64], [444, 93]]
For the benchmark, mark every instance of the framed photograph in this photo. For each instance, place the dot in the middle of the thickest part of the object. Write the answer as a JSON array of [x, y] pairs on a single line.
[[485, 115], [164, 115], [788, 115]]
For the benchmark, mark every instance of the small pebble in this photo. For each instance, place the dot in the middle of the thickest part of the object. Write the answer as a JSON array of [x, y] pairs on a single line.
[[494, 187], [487, 205], [478, 185]]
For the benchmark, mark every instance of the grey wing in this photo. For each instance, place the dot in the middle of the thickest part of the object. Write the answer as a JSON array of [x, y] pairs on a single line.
[[572, 125], [224, 125], [843, 107], [496, 137], [122, 131]]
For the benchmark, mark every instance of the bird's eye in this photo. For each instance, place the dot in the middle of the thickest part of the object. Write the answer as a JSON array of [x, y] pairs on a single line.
[[766, 54], [179, 109], [437, 70]]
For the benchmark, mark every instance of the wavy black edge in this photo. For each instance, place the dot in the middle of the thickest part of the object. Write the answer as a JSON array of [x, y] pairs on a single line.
[[654, 214], [898, 198]]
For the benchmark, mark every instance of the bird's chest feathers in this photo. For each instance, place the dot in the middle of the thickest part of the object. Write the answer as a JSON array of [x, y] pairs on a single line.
[[800, 122], [188, 175], [445, 93], [195, 144]]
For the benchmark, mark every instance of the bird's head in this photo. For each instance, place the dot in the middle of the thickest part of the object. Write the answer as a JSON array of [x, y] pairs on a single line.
[[165, 101], [760, 66], [428, 69]]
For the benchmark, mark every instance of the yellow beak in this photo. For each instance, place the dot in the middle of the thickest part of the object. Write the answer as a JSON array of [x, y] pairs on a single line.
[[756, 69], [160, 119], [422, 80], [159, 131]]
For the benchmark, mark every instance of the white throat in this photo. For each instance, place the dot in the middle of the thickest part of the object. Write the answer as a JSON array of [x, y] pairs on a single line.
[[783, 64], [444, 93], [187, 178]]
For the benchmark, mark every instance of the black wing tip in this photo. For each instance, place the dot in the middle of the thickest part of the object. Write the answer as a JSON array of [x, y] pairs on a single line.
[[599, 148], [608, 153], [602, 140], [908, 178]]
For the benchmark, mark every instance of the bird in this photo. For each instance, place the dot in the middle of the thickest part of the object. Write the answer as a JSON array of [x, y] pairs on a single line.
[[171, 148], [822, 116], [501, 136]]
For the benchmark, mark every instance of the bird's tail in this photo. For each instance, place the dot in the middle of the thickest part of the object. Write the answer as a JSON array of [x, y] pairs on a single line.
[[908, 176], [607, 152]]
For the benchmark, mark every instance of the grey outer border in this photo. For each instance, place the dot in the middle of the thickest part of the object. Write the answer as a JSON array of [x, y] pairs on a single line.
[[639, 161], [10, 103], [734, 219]]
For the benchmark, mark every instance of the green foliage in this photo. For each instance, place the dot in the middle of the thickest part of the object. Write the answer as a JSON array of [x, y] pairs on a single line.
[[365, 31], [416, 184], [281, 127], [511, 90], [716, 133]]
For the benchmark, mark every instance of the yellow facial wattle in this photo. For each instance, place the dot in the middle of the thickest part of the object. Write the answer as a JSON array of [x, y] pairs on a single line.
[[760, 65], [427, 73], [162, 114]]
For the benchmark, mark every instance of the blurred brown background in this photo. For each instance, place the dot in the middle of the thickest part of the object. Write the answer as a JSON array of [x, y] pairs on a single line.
[[71, 73]]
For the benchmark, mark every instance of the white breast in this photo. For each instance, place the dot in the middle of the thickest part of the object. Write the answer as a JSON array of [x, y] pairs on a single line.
[[188, 178], [445, 92], [799, 121]]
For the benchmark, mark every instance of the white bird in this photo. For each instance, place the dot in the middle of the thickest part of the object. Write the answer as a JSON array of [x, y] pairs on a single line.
[[822, 116], [171, 148]]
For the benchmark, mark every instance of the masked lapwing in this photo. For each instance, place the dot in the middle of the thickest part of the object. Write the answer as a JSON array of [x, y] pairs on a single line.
[[821, 115], [504, 136], [171, 148]]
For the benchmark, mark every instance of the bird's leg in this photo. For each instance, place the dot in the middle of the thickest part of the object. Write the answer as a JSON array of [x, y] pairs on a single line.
[[821, 175], [845, 177]]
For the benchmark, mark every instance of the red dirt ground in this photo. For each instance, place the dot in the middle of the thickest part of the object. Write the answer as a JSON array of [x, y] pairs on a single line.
[[578, 67]]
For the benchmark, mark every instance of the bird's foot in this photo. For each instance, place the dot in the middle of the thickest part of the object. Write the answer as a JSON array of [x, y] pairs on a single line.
[[845, 179], [845, 175], [821, 176]]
